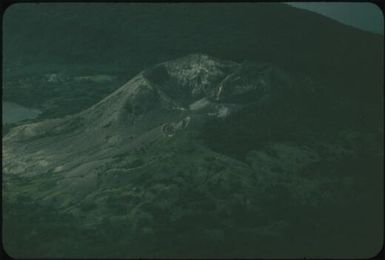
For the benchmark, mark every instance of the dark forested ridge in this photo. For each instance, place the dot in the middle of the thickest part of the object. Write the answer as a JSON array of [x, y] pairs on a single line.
[[129, 37]]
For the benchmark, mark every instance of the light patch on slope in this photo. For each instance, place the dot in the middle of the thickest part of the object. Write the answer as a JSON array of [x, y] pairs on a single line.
[[223, 112], [201, 103]]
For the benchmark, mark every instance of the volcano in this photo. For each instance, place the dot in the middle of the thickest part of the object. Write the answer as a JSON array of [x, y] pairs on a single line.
[[198, 156]]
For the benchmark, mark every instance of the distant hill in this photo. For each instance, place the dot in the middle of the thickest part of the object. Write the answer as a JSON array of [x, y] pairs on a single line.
[[129, 37]]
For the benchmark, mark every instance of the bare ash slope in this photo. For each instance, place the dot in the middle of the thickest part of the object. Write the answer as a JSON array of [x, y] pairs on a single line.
[[117, 122], [167, 93]]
